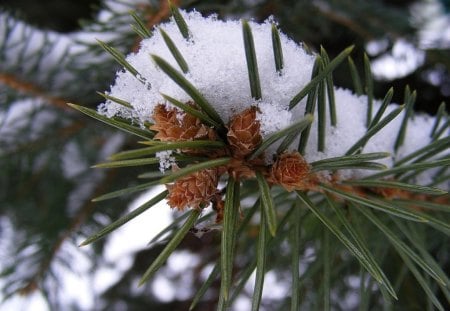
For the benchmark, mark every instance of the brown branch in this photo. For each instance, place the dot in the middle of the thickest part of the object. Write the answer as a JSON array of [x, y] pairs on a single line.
[[29, 88], [153, 18], [344, 21], [63, 134]]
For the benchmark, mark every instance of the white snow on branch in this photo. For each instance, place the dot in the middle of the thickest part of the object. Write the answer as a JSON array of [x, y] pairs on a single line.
[[166, 160], [217, 68]]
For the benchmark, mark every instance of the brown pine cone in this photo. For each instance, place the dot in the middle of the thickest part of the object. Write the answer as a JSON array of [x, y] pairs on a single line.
[[292, 172], [194, 190], [244, 133], [175, 125]]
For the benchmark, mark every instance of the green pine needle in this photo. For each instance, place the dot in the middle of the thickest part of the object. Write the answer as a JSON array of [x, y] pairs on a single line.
[[297, 127], [191, 110], [171, 246], [350, 165], [267, 203], [215, 272], [117, 124], [351, 161], [375, 129], [359, 254], [439, 116], [423, 282], [118, 223], [442, 129], [174, 51], [119, 57], [179, 20], [194, 168], [369, 88], [179, 79], [327, 262], [163, 146], [171, 227], [386, 207], [356, 235], [272, 242], [140, 27], [116, 100], [399, 245], [410, 98], [418, 241], [252, 64], [151, 175], [442, 176], [294, 237], [310, 107], [414, 167], [261, 256], [277, 49], [427, 205], [126, 191], [322, 75], [230, 218], [127, 163], [321, 116], [205, 286], [395, 185], [330, 88], [357, 84], [387, 99], [436, 223]]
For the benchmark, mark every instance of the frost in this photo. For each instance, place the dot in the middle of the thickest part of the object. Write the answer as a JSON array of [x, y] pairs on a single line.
[[272, 118], [165, 160]]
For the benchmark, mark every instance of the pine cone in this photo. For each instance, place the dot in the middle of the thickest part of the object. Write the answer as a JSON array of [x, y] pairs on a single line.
[[194, 190], [292, 172], [244, 133], [175, 125]]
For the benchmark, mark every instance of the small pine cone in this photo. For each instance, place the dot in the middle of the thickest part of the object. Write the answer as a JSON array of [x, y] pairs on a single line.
[[240, 169], [292, 172], [244, 133], [173, 125], [194, 190]]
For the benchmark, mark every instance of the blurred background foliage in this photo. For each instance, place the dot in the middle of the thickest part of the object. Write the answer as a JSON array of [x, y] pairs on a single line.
[[48, 57]]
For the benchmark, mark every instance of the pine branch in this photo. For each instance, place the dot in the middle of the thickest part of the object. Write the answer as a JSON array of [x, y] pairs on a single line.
[[33, 283], [31, 90], [223, 155]]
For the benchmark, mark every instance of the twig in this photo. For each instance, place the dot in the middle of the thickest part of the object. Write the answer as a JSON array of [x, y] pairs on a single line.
[[153, 18], [31, 89]]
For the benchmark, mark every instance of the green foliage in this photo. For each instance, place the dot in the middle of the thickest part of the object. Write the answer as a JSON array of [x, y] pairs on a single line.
[[48, 205]]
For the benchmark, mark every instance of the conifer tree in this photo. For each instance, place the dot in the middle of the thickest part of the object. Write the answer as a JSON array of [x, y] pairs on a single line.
[[301, 218]]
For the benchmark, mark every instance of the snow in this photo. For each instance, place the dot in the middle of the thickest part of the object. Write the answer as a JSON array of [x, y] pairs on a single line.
[[166, 160], [217, 68], [216, 59], [83, 283], [433, 21], [402, 60]]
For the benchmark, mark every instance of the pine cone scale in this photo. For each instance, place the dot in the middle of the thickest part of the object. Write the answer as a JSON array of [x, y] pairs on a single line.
[[194, 190], [244, 133]]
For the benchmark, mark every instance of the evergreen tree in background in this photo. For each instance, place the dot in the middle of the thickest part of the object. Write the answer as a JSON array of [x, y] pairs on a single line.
[[47, 149]]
